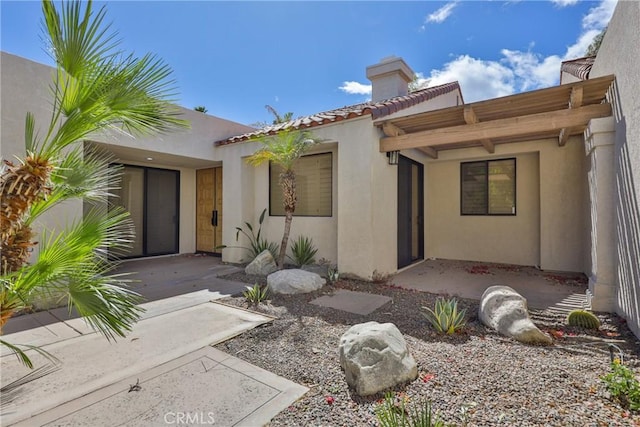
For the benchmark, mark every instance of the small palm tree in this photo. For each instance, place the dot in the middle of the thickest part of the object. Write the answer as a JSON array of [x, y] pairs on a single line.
[[277, 118], [201, 108], [95, 87], [284, 149]]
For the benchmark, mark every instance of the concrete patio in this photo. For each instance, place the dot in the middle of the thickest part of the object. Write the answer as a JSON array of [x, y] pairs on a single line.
[[543, 290], [163, 371]]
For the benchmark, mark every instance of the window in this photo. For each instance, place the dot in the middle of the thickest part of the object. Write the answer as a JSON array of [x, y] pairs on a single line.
[[488, 187], [313, 186]]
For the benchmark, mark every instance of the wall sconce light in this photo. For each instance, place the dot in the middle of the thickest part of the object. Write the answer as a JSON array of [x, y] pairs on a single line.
[[393, 157]]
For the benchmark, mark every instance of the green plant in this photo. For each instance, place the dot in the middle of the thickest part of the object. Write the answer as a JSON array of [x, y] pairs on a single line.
[[96, 86], [333, 274], [257, 243], [256, 294], [392, 412], [623, 385], [584, 319], [445, 316], [303, 251]]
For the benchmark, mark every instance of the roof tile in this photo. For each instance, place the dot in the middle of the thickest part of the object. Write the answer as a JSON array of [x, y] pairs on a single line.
[[375, 109]]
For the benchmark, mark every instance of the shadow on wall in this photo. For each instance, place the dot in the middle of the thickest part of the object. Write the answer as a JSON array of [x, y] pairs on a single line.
[[627, 232]]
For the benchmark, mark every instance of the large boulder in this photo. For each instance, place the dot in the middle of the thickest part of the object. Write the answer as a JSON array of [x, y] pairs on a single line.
[[262, 265], [294, 282], [375, 357], [505, 310]]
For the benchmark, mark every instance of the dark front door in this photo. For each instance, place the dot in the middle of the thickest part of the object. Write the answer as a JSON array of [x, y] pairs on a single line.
[[410, 211], [152, 197]]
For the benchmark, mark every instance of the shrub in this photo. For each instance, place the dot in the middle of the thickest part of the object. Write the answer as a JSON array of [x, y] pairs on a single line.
[[445, 317], [303, 251], [583, 319], [394, 414], [256, 294], [623, 385]]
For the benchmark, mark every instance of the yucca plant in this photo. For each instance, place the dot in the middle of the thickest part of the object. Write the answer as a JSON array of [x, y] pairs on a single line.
[[284, 149], [256, 294], [392, 413], [95, 87], [445, 317], [303, 251]]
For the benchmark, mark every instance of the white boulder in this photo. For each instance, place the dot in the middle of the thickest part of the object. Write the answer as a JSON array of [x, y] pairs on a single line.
[[505, 310], [262, 265], [375, 357], [294, 281]]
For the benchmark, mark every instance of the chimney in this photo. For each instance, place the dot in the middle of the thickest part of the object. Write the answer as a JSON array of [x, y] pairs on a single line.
[[389, 78]]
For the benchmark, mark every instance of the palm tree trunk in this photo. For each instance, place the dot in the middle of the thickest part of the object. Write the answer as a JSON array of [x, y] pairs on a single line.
[[288, 216], [288, 182]]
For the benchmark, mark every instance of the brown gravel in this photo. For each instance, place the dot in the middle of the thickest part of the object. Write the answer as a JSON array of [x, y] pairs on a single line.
[[475, 378]]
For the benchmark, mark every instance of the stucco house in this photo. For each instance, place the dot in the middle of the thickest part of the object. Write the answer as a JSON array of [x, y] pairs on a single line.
[[547, 178]]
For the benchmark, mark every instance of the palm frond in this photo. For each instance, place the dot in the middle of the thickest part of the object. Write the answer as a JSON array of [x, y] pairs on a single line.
[[81, 174], [96, 87], [24, 358], [284, 148]]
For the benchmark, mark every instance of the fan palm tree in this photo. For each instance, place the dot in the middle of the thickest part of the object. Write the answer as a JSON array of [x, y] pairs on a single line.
[[284, 149], [95, 87]]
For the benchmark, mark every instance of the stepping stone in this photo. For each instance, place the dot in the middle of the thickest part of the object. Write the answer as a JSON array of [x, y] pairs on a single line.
[[353, 302]]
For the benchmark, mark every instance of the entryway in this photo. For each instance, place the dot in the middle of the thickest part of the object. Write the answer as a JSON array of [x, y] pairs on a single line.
[[410, 211], [209, 210]]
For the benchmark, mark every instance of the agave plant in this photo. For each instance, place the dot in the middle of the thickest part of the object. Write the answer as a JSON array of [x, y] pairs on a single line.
[[95, 87], [445, 317]]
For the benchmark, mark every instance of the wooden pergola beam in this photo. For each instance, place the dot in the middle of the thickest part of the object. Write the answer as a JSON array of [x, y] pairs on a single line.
[[500, 128], [575, 101], [390, 129], [470, 118], [429, 151]]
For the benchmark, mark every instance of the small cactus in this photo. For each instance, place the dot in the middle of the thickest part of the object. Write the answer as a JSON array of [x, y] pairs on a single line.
[[583, 319]]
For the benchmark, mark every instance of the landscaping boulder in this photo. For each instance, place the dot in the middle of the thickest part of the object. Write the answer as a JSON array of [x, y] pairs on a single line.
[[262, 265], [294, 282], [375, 357], [505, 310]]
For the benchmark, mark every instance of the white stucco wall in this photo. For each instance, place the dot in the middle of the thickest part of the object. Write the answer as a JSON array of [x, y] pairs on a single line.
[[619, 55], [548, 229]]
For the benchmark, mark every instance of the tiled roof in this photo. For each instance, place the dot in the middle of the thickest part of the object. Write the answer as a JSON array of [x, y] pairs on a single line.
[[579, 68], [375, 109]]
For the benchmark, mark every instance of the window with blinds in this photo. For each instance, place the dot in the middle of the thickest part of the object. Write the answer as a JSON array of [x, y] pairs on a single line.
[[313, 186], [488, 187]]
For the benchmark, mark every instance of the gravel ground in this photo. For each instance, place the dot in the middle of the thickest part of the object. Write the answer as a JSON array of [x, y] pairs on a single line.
[[474, 378]]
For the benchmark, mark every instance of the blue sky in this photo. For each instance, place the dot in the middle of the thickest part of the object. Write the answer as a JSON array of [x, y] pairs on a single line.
[[307, 57]]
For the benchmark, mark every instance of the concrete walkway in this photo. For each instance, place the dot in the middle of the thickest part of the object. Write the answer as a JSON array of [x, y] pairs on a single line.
[[166, 355], [560, 292]]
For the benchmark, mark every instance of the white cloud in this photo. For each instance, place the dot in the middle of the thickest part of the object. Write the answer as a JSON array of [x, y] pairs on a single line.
[[599, 16], [478, 79], [355, 88], [440, 15], [564, 3], [515, 71], [519, 71]]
